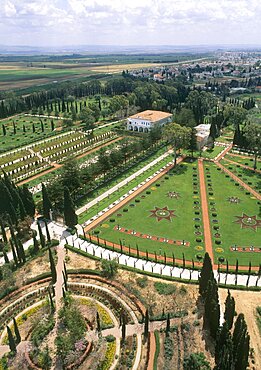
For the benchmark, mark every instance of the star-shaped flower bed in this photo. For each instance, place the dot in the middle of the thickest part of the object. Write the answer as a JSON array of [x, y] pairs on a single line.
[[248, 222], [162, 213]]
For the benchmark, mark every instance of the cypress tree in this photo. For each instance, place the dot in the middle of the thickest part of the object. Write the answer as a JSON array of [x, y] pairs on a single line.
[[65, 270], [168, 325], [47, 232], [47, 205], [65, 281], [21, 250], [146, 324], [205, 275], [51, 300], [237, 136], [241, 343], [17, 333], [52, 267], [28, 200], [123, 329], [14, 252], [3, 231], [36, 244], [11, 340], [4, 130], [70, 216], [6, 257], [229, 310], [98, 322], [42, 238], [212, 308]]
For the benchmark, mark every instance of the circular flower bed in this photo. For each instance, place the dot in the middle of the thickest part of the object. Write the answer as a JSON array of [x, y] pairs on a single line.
[[199, 248], [148, 192], [137, 200], [105, 226], [112, 219], [221, 259], [132, 205], [218, 241], [96, 232], [125, 209], [199, 256], [219, 250], [198, 240]]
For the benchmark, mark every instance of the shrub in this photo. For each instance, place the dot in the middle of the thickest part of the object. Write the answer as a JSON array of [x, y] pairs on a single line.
[[164, 289], [142, 281], [110, 338]]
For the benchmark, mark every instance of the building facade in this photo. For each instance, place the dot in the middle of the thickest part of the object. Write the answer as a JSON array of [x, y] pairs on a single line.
[[145, 121]]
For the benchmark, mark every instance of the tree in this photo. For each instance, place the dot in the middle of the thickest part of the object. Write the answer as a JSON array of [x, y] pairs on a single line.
[[193, 142], [16, 330], [47, 205], [36, 244], [229, 310], [70, 176], [109, 268], [212, 308], [206, 274], [98, 321], [234, 115], [196, 361], [11, 340], [87, 117], [41, 236], [52, 266], [70, 216], [146, 324], [123, 329], [47, 232], [252, 134], [178, 136], [185, 118], [168, 325], [241, 341]]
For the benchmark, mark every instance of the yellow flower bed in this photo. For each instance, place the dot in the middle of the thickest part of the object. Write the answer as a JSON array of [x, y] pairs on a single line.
[[109, 356], [199, 248], [105, 226], [22, 318], [106, 320], [219, 250], [153, 188]]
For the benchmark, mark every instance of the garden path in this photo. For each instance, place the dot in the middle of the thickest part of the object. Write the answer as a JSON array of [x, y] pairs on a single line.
[[204, 207], [242, 165], [122, 183], [237, 179], [243, 156], [223, 153]]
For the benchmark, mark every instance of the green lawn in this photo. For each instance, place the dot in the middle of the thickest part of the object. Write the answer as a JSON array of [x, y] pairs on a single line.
[[245, 161], [230, 232], [181, 227], [250, 177], [14, 140]]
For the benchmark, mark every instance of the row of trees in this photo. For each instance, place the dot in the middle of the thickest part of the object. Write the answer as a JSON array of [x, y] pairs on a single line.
[[231, 350], [17, 202]]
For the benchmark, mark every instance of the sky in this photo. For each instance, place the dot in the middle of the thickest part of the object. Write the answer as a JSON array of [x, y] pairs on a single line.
[[130, 22]]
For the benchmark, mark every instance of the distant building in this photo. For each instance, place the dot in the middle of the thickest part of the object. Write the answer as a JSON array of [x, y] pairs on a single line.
[[202, 134], [144, 121]]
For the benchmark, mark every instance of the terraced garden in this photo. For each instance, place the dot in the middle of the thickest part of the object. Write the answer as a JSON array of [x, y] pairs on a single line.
[[234, 217], [164, 219]]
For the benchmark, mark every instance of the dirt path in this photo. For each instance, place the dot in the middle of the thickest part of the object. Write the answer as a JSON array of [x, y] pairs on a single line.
[[152, 351], [242, 156], [57, 165], [204, 207], [237, 179], [246, 302], [242, 165], [223, 153]]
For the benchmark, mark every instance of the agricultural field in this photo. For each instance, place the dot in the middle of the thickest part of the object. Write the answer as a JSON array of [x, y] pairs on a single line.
[[234, 217], [156, 221]]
